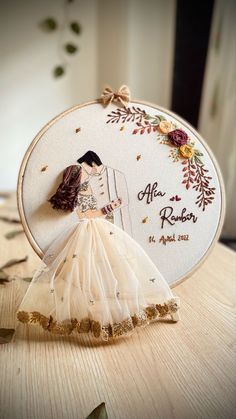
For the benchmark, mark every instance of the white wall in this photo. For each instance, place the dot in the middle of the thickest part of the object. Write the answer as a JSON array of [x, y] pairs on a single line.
[[125, 41], [218, 108], [30, 96]]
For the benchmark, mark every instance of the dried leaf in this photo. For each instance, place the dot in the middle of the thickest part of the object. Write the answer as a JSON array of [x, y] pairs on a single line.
[[58, 71], [44, 168], [49, 24], [99, 412], [5, 194], [145, 220], [13, 262], [11, 234], [10, 220], [78, 130], [6, 335], [4, 277], [71, 48], [76, 28], [27, 278], [122, 128], [138, 157]]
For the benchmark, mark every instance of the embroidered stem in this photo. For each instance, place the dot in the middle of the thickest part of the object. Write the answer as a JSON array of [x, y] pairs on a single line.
[[189, 173], [144, 127], [133, 114], [202, 185]]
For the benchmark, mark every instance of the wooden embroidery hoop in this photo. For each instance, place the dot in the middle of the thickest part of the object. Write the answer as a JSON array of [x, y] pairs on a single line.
[[27, 155]]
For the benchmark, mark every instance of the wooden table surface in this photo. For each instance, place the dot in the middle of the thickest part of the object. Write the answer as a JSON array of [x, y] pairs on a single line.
[[183, 370]]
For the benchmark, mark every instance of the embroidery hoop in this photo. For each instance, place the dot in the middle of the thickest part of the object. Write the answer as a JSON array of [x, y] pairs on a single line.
[[182, 122]]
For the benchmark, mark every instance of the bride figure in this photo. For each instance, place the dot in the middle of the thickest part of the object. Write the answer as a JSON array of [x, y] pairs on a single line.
[[96, 278]]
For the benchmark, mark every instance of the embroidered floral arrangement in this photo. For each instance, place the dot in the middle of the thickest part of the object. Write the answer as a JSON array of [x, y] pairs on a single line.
[[183, 149]]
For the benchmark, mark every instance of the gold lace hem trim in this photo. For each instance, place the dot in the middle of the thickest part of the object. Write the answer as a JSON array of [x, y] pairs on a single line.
[[86, 325]]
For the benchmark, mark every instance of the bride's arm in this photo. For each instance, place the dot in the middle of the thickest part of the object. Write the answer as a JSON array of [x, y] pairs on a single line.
[[107, 209]]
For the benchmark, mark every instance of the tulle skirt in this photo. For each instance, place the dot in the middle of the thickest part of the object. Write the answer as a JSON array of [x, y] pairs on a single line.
[[96, 279]]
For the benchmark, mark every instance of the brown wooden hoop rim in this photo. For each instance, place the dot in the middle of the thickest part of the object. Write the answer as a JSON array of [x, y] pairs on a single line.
[[73, 108]]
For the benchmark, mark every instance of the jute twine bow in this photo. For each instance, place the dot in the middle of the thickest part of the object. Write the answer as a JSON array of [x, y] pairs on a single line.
[[122, 95]]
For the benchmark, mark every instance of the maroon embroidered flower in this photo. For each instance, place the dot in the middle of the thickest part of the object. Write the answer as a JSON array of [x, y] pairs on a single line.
[[178, 137]]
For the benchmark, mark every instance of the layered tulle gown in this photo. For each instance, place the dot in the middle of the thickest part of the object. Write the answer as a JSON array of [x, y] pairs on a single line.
[[95, 278]]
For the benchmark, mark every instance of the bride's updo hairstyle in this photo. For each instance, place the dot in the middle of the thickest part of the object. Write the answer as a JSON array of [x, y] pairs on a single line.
[[90, 157]]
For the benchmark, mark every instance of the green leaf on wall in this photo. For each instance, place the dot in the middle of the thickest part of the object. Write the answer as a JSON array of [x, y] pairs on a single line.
[[71, 48], [58, 71], [76, 28], [49, 24]]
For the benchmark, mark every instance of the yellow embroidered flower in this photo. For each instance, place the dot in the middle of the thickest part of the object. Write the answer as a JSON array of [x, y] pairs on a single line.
[[165, 127], [186, 151]]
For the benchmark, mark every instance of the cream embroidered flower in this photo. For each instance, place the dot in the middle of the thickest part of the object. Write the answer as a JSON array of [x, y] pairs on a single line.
[[165, 127]]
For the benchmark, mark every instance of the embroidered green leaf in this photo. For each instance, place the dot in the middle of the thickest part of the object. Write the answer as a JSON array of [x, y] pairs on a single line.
[[198, 160], [156, 121], [191, 143], [58, 71], [6, 335], [198, 153], [99, 412], [13, 262], [162, 118], [11, 234], [49, 24], [76, 27], [71, 48], [148, 117]]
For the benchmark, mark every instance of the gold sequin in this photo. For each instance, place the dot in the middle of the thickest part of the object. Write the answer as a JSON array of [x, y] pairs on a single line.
[[96, 328], [151, 312], [23, 316], [122, 328], [162, 309], [84, 326]]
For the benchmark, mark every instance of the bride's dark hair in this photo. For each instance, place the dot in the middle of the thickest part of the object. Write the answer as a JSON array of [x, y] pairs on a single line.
[[90, 157]]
